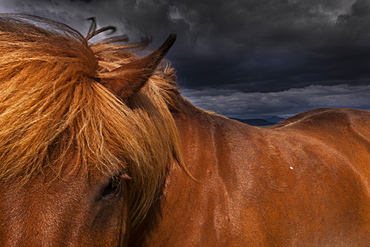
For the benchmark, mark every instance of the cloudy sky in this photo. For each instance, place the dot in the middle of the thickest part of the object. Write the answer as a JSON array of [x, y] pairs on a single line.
[[244, 58]]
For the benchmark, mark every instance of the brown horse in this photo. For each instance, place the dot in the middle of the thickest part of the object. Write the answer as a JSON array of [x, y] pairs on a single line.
[[98, 148]]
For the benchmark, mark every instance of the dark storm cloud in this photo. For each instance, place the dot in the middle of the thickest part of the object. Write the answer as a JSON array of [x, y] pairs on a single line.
[[262, 45], [242, 49], [274, 45]]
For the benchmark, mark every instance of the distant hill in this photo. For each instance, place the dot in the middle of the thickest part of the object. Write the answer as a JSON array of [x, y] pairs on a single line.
[[275, 119], [255, 121], [261, 122]]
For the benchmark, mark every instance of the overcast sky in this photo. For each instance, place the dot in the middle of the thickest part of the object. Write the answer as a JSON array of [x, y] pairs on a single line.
[[244, 58]]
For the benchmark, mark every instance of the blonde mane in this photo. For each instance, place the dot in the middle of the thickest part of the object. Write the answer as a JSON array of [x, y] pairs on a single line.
[[52, 107]]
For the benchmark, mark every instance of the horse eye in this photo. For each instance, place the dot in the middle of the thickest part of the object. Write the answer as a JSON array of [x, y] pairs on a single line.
[[114, 185], [112, 188]]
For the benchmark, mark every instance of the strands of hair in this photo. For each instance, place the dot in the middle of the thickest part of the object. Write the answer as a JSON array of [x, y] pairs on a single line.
[[54, 112]]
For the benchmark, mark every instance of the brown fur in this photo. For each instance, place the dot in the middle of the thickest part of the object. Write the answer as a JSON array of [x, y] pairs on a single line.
[[304, 182]]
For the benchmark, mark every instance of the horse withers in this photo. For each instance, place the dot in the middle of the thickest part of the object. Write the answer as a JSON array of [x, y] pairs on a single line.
[[98, 148]]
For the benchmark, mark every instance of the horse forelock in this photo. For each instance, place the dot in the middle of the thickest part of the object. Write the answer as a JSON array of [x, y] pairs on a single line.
[[52, 108]]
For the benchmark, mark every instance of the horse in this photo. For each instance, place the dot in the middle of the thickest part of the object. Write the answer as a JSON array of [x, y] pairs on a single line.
[[99, 148]]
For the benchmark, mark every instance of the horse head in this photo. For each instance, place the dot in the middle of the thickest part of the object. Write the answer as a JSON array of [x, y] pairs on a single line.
[[84, 139]]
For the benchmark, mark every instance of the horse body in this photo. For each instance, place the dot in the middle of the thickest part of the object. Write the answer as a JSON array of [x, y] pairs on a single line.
[[303, 182]]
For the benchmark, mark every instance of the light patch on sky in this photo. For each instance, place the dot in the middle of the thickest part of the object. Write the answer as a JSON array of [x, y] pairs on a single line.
[[233, 103]]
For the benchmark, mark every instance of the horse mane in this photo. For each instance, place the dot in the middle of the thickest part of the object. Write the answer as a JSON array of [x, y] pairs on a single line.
[[52, 107]]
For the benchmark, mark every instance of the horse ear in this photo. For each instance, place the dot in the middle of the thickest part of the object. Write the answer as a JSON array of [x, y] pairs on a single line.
[[128, 79]]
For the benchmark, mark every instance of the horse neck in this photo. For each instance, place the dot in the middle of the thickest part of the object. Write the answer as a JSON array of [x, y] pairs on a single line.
[[205, 143], [196, 128], [205, 137]]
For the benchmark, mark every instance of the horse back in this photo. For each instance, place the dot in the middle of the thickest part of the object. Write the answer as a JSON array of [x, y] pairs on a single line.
[[312, 176]]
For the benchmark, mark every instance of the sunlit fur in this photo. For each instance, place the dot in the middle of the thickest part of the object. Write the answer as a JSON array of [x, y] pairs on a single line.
[[53, 110]]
